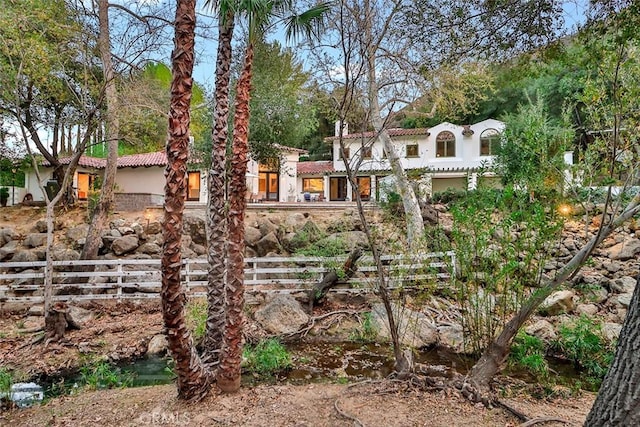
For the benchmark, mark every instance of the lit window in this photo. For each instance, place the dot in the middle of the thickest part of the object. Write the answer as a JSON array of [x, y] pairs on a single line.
[[193, 192], [446, 144], [489, 142], [313, 185], [412, 150]]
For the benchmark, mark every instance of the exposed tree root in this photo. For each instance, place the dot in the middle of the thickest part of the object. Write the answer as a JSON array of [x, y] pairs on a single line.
[[312, 322], [541, 420], [355, 420]]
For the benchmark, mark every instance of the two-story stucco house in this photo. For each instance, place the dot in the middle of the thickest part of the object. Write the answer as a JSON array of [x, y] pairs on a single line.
[[445, 156]]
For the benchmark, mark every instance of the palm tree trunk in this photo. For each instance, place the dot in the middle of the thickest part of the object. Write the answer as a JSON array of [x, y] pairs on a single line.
[[229, 373], [193, 379], [101, 210], [217, 218]]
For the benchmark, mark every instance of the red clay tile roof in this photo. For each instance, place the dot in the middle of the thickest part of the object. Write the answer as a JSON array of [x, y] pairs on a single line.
[[159, 158], [315, 167], [392, 132]]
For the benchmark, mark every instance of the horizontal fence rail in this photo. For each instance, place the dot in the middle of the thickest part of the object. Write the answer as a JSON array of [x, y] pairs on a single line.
[[89, 280]]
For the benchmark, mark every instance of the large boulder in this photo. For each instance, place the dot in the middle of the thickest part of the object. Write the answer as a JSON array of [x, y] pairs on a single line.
[[125, 244], [158, 345], [282, 315], [295, 220], [7, 235], [65, 254], [452, 336], [251, 235], [623, 285], [149, 248], [195, 226], [308, 234], [268, 243], [78, 317], [349, 239], [25, 255], [77, 232], [414, 328], [627, 249], [558, 303], [266, 226], [542, 329], [153, 227], [35, 240], [8, 250]]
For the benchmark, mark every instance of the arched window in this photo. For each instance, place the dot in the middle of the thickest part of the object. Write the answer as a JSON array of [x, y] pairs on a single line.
[[489, 142], [445, 144]]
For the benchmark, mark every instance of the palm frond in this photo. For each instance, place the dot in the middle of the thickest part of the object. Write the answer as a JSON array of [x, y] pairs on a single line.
[[306, 23]]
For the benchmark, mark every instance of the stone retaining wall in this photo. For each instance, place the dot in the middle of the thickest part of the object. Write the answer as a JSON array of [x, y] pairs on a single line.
[[131, 202]]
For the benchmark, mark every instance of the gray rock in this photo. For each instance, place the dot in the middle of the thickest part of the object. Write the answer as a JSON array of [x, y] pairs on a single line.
[[612, 267], [8, 250], [265, 226], [7, 235], [250, 253], [624, 299], [138, 229], [597, 294], [65, 254], [35, 240], [79, 316], [154, 227], [542, 329], [77, 233], [282, 315], [36, 310], [414, 328], [115, 233], [588, 309], [118, 222], [268, 243], [125, 231], [125, 244], [40, 226], [558, 303], [623, 285], [199, 249], [611, 331], [251, 235], [195, 226], [295, 220], [25, 255], [149, 248], [158, 345], [628, 249], [452, 336]]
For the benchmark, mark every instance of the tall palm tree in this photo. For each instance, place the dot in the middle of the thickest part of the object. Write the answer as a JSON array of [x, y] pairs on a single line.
[[193, 379], [259, 15], [216, 206]]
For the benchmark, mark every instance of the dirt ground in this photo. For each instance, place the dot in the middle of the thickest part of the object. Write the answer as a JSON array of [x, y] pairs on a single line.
[[366, 404], [122, 331]]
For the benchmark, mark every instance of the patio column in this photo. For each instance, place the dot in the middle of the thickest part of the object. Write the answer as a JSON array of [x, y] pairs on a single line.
[[472, 181], [326, 187], [349, 190]]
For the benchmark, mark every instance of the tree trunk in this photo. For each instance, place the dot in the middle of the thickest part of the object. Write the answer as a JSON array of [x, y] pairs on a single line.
[[618, 401], [193, 379], [495, 355], [413, 215], [102, 209], [330, 279], [217, 218], [229, 372]]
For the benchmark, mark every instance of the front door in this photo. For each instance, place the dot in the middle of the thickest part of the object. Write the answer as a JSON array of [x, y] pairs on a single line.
[[193, 186], [85, 185], [338, 189], [269, 187]]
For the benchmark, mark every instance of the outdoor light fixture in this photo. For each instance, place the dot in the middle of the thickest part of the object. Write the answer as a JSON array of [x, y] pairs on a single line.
[[564, 209]]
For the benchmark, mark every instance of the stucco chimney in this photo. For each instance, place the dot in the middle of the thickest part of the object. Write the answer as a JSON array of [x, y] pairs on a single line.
[[345, 128]]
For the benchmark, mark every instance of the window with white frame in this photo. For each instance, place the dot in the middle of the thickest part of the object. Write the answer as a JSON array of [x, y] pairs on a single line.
[[489, 142], [445, 144]]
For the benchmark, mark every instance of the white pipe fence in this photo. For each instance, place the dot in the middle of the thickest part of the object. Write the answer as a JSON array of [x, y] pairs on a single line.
[[23, 282]]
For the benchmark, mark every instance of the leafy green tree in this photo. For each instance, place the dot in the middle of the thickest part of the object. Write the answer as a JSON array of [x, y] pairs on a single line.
[[531, 155]]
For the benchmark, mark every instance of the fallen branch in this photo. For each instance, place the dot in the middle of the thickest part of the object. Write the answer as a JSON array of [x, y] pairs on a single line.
[[355, 420], [312, 322], [331, 279]]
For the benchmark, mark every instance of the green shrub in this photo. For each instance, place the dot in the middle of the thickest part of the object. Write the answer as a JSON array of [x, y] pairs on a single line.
[[449, 195], [327, 247], [102, 375], [197, 317], [583, 342], [6, 380], [367, 331], [266, 358], [528, 352]]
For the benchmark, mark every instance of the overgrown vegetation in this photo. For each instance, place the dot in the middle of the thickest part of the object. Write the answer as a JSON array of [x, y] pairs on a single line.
[[583, 342], [528, 352], [367, 331], [501, 239], [266, 358], [6, 380], [101, 375], [197, 317]]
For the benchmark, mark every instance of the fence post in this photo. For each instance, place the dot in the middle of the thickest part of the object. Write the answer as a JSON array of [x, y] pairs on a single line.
[[119, 283]]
